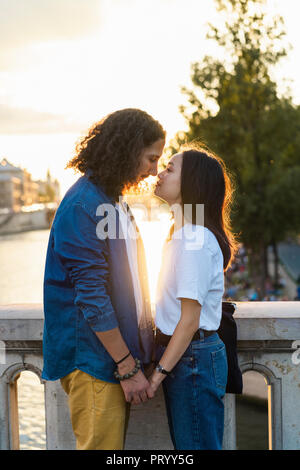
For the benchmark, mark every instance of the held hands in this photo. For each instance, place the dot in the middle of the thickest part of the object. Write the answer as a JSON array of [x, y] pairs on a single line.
[[137, 388]]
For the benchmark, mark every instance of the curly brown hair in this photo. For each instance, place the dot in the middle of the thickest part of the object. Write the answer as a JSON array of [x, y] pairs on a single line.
[[112, 148]]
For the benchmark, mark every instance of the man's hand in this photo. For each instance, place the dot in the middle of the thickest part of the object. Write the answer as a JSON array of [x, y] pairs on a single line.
[[136, 388]]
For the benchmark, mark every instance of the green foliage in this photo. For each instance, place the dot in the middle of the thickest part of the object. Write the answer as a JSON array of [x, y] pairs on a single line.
[[234, 107]]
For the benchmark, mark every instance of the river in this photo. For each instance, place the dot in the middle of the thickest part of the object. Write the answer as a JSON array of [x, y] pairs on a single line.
[[22, 261]]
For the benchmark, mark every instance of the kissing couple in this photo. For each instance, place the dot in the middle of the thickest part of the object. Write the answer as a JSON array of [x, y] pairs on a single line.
[[100, 339]]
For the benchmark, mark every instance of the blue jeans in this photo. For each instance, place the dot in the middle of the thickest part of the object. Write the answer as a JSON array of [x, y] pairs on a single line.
[[193, 397]]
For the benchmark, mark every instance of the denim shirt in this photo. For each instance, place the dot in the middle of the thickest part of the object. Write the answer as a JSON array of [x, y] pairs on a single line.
[[87, 288]]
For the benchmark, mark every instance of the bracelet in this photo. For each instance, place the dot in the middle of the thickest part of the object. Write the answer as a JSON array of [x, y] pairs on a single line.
[[129, 374], [160, 369], [125, 357]]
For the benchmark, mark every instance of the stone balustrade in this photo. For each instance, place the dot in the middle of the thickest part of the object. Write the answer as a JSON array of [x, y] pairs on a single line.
[[267, 343]]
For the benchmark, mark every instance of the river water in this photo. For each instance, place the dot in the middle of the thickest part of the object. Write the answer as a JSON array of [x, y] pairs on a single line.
[[22, 260]]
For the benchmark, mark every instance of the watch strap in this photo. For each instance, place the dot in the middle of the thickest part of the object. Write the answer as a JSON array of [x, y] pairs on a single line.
[[160, 369]]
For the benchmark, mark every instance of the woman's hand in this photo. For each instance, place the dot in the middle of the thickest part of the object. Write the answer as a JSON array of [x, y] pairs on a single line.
[[154, 382], [181, 338]]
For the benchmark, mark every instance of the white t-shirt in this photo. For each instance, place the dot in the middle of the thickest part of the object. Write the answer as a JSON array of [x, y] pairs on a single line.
[[192, 268], [129, 233]]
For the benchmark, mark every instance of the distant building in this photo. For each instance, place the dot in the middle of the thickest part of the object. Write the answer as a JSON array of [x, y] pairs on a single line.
[[11, 186], [17, 188], [10, 192], [49, 190], [30, 189]]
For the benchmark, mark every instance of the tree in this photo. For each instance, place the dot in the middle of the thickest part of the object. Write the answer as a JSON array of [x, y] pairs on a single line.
[[236, 110]]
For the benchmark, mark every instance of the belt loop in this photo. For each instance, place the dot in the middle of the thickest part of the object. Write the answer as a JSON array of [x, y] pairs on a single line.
[[201, 334]]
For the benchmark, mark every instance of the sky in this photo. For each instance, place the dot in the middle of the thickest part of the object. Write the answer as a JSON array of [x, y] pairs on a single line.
[[65, 64]]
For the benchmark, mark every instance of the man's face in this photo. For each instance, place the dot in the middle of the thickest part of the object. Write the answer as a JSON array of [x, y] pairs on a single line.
[[149, 160]]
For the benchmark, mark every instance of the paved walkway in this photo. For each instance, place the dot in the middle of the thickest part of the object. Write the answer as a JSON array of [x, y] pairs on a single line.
[[149, 420]]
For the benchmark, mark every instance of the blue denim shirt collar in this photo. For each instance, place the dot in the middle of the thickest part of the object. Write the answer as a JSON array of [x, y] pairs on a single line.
[[99, 188]]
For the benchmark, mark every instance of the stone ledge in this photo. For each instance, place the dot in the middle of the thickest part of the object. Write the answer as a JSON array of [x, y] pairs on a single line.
[[266, 346], [256, 321], [21, 311]]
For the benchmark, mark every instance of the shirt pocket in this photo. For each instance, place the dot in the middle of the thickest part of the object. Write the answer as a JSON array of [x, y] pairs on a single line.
[[220, 368]]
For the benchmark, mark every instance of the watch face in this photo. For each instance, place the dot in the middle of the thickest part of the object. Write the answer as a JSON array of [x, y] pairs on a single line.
[[160, 369]]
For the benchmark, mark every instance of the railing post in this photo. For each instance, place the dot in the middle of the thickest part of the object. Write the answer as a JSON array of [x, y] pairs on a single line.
[[9, 412], [290, 405], [4, 415], [229, 439], [14, 413], [59, 433]]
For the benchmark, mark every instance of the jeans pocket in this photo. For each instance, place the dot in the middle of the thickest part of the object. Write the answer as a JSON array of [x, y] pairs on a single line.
[[220, 368], [98, 385]]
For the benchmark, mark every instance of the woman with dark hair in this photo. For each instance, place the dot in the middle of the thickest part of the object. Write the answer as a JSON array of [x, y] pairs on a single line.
[[192, 358]]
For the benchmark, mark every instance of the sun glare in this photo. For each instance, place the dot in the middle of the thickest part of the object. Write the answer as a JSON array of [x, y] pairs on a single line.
[[154, 233]]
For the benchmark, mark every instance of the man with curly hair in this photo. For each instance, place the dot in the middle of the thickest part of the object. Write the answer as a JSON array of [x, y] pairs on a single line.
[[97, 332]]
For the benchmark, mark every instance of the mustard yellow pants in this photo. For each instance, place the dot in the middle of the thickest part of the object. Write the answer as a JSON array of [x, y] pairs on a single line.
[[99, 412]]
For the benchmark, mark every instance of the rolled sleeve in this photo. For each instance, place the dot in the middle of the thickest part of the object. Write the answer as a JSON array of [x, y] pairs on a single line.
[[84, 256], [193, 273]]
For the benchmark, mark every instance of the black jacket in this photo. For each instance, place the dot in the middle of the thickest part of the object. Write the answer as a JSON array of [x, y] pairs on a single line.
[[228, 334]]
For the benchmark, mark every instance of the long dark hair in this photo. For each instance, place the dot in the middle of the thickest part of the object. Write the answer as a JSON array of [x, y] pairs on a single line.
[[111, 149], [206, 180]]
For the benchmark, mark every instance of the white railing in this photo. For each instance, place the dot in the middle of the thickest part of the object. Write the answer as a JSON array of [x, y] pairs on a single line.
[[267, 343]]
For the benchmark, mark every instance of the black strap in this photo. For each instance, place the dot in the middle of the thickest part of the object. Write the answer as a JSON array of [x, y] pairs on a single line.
[[125, 357], [163, 339]]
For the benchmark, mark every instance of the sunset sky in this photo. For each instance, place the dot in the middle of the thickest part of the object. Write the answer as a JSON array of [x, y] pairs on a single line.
[[65, 64]]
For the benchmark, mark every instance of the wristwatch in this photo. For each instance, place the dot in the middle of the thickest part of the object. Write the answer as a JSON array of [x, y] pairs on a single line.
[[160, 369]]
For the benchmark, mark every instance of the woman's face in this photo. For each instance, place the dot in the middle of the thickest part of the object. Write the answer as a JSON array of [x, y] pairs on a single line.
[[168, 186]]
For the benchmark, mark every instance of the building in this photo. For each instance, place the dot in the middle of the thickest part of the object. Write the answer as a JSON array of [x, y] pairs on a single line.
[[49, 190], [11, 186], [17, 189], [10, 192]]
